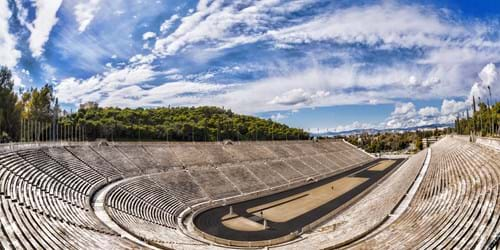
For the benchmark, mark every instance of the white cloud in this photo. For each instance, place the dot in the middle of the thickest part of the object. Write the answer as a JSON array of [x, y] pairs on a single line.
[[404, 115], [489, 74], [89, 51], [278, 117], [429, 112], [42, 25], [174, 93], [451, 49], [128, 87], [353, 126], [452, 107], [142, 59], [167, 24], [148, 35], [119, 12], [371, 24], [96, 88], [9, 55], [213, 20], [431, 82], [293, 97], [22, 13], [404, 109], [296, 97], [412, 81], [18, 82], [374, 25], [85, 11], [489, 78]]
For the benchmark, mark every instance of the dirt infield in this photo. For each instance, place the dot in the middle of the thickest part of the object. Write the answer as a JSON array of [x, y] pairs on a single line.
[[382, 165], [289, 211], [240, 223], [309, 200]]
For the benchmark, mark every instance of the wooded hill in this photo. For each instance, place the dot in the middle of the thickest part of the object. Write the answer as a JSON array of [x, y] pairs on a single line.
[[178, 124]]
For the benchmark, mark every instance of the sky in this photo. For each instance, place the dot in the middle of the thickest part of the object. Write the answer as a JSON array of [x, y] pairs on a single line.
[[313, 64]]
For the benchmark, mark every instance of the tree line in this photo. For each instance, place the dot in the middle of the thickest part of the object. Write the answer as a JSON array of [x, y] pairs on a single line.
[[484, 121], [34, 115], [203, 123], [35, 104], [393, 141]]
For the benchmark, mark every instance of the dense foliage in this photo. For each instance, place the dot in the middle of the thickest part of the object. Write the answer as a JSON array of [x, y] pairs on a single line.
[[36, 107], [179, 124], [392, 142], [10, 110], [484, 122]]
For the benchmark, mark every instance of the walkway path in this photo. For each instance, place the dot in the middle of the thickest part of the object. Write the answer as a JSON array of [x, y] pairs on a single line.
[[103, 216]]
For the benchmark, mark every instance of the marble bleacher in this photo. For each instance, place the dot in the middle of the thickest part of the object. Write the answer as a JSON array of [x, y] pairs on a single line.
[[95, 161], [214, 183], [245, 181], [44, 207], [139, 157], [457, 205], [266, 174], [165, 157], [117, 159], [46, 192]]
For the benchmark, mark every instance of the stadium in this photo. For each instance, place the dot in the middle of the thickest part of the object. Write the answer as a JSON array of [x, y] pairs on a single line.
[[280, 195]]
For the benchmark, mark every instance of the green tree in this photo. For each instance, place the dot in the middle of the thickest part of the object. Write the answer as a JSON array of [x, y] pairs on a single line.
[[38, 104], [9, 107], [418, 144]]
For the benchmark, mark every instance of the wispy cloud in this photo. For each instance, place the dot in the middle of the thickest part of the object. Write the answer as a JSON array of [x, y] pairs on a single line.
[[224, 25], [85, 12], [99, 87], [9, 55], [42, 25]]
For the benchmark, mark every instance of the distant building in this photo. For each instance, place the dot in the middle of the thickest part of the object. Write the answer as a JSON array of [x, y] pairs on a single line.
[[89, 105]]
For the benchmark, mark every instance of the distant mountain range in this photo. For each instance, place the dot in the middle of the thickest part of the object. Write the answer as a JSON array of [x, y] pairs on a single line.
[[375, 131]]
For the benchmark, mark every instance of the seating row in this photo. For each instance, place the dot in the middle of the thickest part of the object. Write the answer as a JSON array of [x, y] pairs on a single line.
[[457, 205]]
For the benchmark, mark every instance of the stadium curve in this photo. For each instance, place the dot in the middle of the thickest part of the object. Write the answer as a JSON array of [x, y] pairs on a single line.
[[211, 220]]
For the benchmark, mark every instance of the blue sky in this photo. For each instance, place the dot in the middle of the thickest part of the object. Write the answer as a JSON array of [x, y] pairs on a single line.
[[314, 64]]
